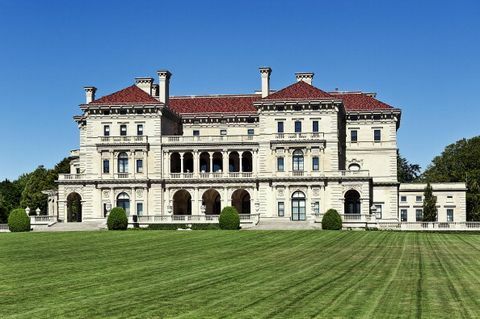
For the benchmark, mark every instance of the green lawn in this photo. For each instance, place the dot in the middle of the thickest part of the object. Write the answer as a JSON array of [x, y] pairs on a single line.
[[245, 274]]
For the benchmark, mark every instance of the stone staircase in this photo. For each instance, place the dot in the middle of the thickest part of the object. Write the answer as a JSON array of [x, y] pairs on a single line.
[[284, 224], [83, 226]]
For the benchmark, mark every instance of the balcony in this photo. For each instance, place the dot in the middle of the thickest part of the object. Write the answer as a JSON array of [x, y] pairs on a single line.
[[193, 219], [176, 139], [141, 139], [68, 177], [300, 136], [207, 175]]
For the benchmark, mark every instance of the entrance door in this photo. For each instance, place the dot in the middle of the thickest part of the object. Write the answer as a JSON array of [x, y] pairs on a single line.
[[298, 206]]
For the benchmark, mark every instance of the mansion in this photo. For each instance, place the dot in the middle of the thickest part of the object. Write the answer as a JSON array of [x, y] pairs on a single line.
[[279, 155]]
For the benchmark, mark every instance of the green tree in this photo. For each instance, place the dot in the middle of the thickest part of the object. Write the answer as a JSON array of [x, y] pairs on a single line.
[[406, 172], [41, 179], [473, 202], [429, 204]]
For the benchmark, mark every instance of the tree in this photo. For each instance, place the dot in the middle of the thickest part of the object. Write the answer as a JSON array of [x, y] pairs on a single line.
[[406, 172], [41, 179], [473, 202], [429, 204]]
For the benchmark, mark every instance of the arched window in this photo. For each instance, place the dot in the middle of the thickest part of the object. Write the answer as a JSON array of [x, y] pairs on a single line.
[[123, 201], [352, 202], [299, 211], [298, 160], [354, 167], [123, 162]]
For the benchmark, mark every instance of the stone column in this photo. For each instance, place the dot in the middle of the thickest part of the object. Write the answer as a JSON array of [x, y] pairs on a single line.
[[240, 156], [196, 163], [113, 165], [211, 161], [225, 163], [181, 163], [145, 201], [225, 198]]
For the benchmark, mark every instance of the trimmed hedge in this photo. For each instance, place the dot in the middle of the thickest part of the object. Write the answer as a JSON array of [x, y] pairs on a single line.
[[331, 220], [18, 221], [117, 219], [183, 226], [229, 218]]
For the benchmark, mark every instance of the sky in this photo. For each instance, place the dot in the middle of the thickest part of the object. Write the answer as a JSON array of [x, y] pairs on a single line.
[[420, 56]]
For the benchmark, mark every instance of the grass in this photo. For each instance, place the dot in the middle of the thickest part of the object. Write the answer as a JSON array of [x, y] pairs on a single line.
[[246, 274]]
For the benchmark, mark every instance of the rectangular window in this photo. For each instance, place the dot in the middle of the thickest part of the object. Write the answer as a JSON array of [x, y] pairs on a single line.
[[403, 215], [139, 166], [250, 131], [281, 209], [140, 129], [280, 164], [418, 198], [223, 132], [449, 215], [196, 133], [316, 208], [106, 166], [123, 130], [279, 127], [106, 130], [139, 209], [419, 215], [315, 163], [403, 199], [315, 126], [353, 136], [378, 211], [298, 127], [377, 135]]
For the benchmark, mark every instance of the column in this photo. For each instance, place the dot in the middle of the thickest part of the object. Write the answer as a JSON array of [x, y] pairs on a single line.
[[225, 198], [145, 201], [131, 163], [133, 205], [181, 163], [254, 162], [196, 203], [225, 163], [240, 156], [211, 161], [112, 164], [196, 163]]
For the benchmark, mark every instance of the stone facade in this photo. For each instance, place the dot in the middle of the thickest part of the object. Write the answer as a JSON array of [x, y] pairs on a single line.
[[285, 155]]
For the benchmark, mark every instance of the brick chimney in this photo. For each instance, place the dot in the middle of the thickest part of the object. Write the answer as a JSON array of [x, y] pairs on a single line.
[[90, 94], [306, 77], [265, 74], [164, 84]]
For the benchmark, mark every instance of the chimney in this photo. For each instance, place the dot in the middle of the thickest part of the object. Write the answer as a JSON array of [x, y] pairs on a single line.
[[265, 74], [145, 84], [306, 77], [155, 90], [164, 84], [90, 94]]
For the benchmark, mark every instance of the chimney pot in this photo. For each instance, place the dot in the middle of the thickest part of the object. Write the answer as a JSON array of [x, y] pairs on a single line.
[[265, 74], [306, 77], [90, 94]]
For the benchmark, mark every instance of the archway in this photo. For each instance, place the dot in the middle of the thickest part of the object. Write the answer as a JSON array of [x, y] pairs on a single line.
[[241, 201], [204, 162], [175, 163], [352, 202], [212, 201], [247, 161], [74, 208], [217, 162], [299, 206], [188, 162], [182, 203], [123, 201], [234, 162]]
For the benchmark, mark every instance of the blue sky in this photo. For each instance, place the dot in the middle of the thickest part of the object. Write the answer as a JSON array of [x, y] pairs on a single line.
[[421, 56]]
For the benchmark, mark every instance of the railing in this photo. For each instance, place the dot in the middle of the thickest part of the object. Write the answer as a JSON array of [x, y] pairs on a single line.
[[299, 136], [4, 228], [360, 218], [430, 226], [211, 175], [42, 219], [66, 177], [206, 139], [123, 139], [200, 219], [122, 175]]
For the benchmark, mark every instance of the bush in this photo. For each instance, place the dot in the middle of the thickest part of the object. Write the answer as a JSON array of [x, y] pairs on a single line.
[[331, 220], [18, 221], [205, 227], [166, 226], [229, 218], [117, 219]]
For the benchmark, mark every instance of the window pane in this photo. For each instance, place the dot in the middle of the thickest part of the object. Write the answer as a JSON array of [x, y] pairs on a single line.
[[315, 163], [140, 129], [123, 130], [419, 215], [196, 132], [377, 135], [403, 215], [251, 131], [279, 127], [298, 127], [315, 126], [106, 166], [139, 209], [281, 209], [106, 130], [280, 164], [353, 135], [139, 166]]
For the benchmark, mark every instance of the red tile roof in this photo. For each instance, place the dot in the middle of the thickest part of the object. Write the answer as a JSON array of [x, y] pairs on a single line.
[[357, 101], [299, 91], [214, 104], [129, 95]]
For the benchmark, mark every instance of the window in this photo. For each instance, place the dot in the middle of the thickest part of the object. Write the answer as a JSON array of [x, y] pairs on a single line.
[[298, 160], [449, 198], [280, 164], [418, 198], [123, 163], [140, 129], [299, 211], [315, 163], [223, 132], [279, 127], [123, 201], [353, 136], [139, 166], [196, 133], [139, 209], [403, 215], [298, 127], [250, 131], [377, 135], [281, 209], [123, 130], [106, 130], [403, 199], [449, 215], [378, 211], [419, 215], [316, 208], [106, 166], [315, 126]]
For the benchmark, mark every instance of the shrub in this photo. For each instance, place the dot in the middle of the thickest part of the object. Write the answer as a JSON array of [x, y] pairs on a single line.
[[18, 221], [166, 226], [117, 219], [229, 218], [205, 227], [331, 220]]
